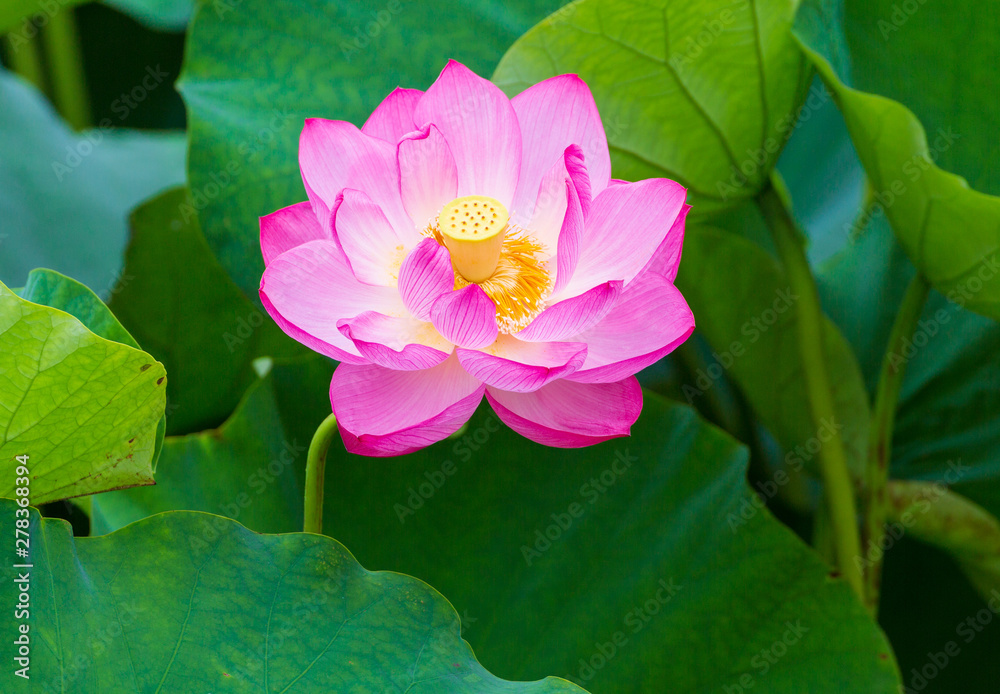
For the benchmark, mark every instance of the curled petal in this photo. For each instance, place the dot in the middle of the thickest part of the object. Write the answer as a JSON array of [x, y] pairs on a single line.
[[544, 213], [393, 118], [370, 244], [627, 223], [396, 342], [334, 155], [552, 115], [572, 316], [667, 258], [478, 122], [287, 228], [568, 414], [428, 177], [557, 218], [425, 275], [650, 320], [467, 318], [570, 236], [308, 289], [510, 364], [383, 412]]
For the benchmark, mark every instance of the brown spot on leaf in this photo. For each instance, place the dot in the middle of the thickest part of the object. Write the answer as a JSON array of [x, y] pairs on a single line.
[[144, 367], [159, 380]]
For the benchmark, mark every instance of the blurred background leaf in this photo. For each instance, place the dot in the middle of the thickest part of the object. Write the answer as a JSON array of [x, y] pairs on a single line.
[[65, 197]]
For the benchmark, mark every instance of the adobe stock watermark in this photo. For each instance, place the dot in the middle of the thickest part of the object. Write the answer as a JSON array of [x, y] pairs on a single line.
[[30, 25], [968, 629], [752, 331], [562, 15], [757, 159], [795, 459], [128, 614], [957, 298], [901, 13], [215, 526], [634, 621], [88, 141], [768, 657], [361, 38], [552, 200], [246, 151], [912, 169], [895, 530], [244, 329], [692, 47], [591, 491], [433, 480]]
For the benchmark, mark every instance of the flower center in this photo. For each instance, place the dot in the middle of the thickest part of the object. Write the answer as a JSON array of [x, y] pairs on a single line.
[[473, 229], [505, 260]]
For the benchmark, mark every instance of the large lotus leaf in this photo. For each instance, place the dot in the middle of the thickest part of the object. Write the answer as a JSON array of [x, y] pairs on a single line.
[[567, 559], [87, 411], [950, 231], [704, 92], [176, 299], [249, 85], [51, 288], [191, 602]]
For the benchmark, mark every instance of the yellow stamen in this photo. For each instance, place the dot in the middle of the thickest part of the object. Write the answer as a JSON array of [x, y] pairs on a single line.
[[473, 229], [519, 279]]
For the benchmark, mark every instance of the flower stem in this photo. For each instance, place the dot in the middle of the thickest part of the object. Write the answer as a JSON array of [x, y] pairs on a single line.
[[25, 61], [837, 483], [316, 473], [69, 88], [875, 505]]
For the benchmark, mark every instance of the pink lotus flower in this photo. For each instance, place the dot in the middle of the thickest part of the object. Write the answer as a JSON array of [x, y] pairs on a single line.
[[463, 243]]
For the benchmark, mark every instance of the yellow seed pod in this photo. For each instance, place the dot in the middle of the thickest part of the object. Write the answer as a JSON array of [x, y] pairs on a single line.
[[473, 229]]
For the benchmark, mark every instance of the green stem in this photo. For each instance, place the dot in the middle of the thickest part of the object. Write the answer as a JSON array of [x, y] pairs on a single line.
[[25, 61], [69, 87], [875, 505], [836, 475], [316, 473], [822, 538]]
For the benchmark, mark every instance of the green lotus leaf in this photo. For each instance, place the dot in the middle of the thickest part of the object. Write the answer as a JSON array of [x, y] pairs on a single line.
[[87, 411], [950, 231], [191, 602], [704, 93]]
